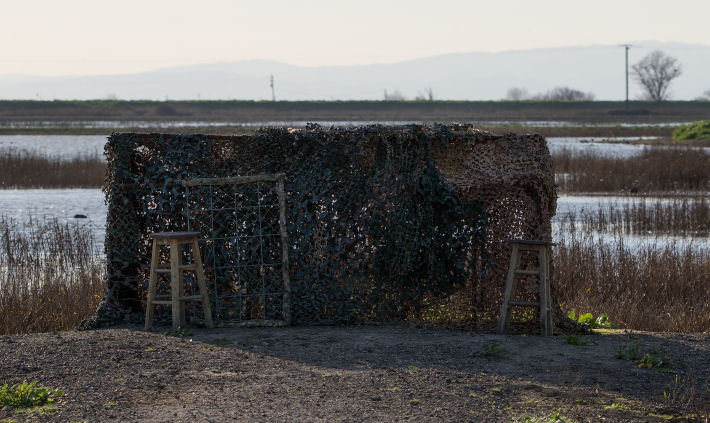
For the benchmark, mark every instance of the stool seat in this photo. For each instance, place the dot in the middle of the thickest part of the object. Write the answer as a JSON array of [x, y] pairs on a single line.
[[542, 272], [176, 269]]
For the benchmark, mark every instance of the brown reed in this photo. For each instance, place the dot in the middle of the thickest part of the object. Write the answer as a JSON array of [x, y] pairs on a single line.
[[50, 275], [678, 216], [651, 287], [22, 169], [654, 170]]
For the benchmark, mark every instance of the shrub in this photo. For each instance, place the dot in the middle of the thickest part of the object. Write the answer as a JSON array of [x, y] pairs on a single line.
[[695, 131]]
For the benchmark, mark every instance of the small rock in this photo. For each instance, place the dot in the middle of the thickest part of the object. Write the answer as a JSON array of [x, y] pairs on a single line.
[[6, 411]]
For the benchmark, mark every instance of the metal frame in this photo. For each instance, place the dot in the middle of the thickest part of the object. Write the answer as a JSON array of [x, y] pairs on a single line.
[[278, 180]]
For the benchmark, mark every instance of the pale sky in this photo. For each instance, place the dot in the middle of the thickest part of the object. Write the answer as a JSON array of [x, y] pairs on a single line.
[[58, 37]]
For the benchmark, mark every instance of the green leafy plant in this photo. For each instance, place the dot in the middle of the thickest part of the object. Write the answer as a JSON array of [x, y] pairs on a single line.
[[25, 395], [651, 361], [492, 351], [647, 360], [601, 322]]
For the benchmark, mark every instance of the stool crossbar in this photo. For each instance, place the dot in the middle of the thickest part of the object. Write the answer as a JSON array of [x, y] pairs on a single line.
[[543, 274], [177, 297]]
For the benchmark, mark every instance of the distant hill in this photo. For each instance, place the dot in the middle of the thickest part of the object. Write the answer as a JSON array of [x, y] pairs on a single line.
[[464, 76]]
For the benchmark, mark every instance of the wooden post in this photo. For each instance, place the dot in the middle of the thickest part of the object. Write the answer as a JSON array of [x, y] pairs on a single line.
[[544, 297], [206, 307], [152, 286], [174, 281], [284, 249], [505, 311]]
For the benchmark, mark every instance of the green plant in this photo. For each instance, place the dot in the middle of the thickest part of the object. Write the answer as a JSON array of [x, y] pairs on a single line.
[[578, 340], [651, 361], [588, 319], [25, 395], [647, 360], [492, 351], [694, 131]]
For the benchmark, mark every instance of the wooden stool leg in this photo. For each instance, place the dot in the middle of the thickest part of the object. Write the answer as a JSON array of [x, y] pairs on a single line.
[[543, 294], [505, 311], [181, 288], [548, 290], [152, 282], [175, 281], [206, 309]]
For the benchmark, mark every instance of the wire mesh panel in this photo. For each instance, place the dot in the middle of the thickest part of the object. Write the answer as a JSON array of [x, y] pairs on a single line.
[[244, 242]]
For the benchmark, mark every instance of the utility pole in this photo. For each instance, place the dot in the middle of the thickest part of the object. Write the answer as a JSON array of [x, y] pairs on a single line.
[[627, 47], [273, 93]]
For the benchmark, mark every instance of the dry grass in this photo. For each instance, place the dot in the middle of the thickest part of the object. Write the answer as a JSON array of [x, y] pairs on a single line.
[[652, 287], [50, 276], [655, 170], [20, 169], [686, 217]]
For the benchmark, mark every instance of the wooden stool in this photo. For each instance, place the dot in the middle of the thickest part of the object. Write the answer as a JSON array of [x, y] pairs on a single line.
[[174, 240], [543, 274]]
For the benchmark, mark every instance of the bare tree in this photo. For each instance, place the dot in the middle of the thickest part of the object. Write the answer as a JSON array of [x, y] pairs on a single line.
[[655, 73], [705, 96], [564, 94], [517, 94], [394, 96], [428, 95]]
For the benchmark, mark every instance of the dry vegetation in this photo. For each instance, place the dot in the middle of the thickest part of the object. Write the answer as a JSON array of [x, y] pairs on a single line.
[[655, 170], [677, 216], [50, 275], [20, 169], [648, 287]]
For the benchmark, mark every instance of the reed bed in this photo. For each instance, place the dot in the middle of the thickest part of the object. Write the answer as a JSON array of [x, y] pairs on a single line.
[[651, 287], [654, 170], [680, 216], [22, 169], [50, 275]]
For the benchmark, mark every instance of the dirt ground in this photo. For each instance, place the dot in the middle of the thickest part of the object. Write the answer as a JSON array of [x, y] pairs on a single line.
[[353, 373]]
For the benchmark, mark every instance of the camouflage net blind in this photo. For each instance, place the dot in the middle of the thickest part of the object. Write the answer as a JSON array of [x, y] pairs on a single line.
[[383, 222]]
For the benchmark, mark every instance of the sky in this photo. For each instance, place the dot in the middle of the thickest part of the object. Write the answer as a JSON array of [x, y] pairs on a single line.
[[90, 37]]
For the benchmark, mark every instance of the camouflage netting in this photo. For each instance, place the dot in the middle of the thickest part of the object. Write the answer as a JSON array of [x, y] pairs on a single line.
[[383, 222]]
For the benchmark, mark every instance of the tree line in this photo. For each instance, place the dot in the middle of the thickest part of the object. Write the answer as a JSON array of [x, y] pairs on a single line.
[[654, 73]]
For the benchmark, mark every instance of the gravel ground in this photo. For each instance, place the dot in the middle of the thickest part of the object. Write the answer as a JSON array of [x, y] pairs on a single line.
[[353, 373]]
